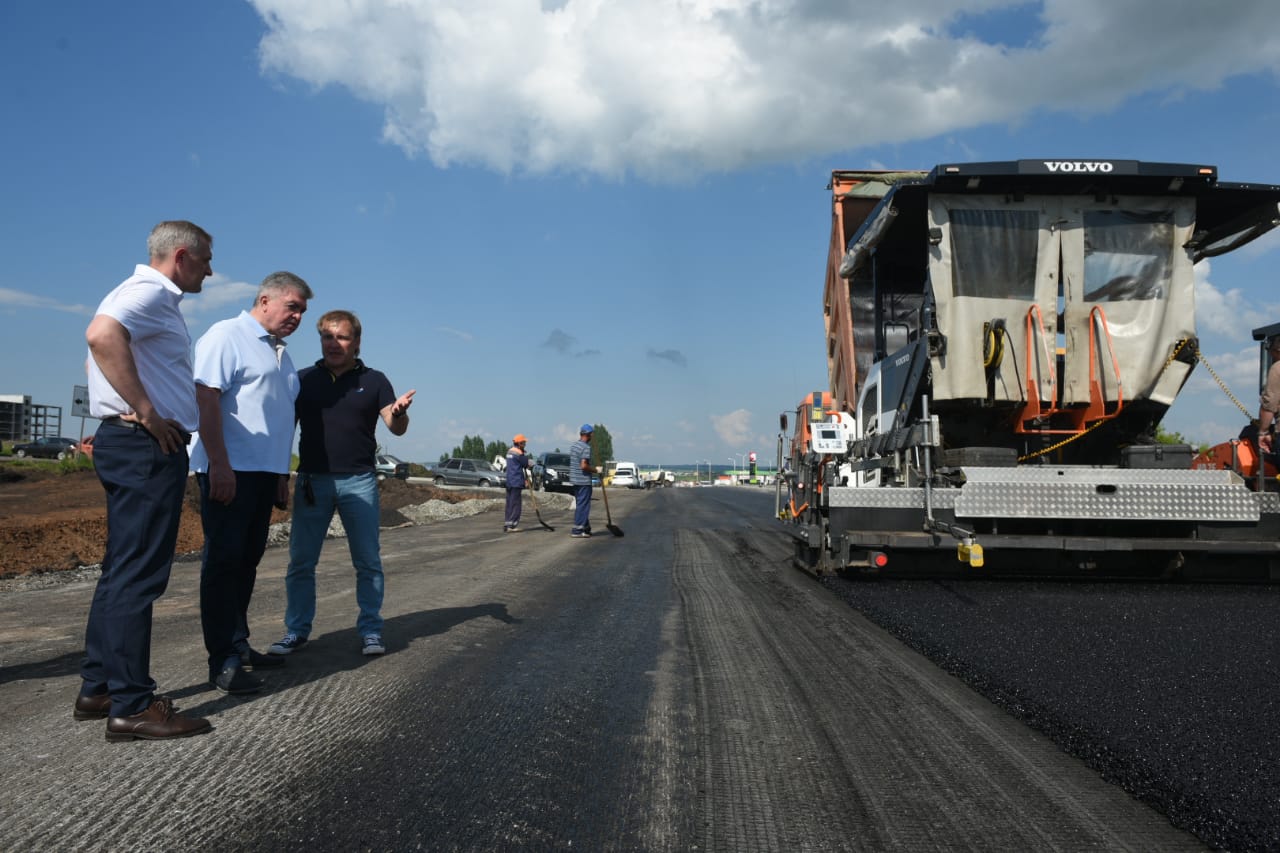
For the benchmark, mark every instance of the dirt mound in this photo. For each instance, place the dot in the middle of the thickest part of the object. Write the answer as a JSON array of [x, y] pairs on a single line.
[[52, 520]]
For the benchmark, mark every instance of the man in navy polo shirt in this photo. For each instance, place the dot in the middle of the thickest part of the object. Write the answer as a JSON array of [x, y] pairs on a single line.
[[338, 408]]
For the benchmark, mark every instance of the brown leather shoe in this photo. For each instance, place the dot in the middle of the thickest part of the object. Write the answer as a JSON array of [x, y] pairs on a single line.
[[93, 707], [156, 723]]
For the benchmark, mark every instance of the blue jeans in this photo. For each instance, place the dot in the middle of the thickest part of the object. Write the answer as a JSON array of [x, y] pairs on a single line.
[[355, 497], [144, 503], [582, 509]]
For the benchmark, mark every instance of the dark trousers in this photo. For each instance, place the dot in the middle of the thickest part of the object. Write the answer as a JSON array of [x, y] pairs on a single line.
[[514, 505], [144, 504], [235, 536]]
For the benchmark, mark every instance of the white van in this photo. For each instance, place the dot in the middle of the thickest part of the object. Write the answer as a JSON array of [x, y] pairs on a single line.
[[628, 475]]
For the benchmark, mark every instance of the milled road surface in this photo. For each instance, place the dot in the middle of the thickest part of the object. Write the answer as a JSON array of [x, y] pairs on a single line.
[[681, 688]]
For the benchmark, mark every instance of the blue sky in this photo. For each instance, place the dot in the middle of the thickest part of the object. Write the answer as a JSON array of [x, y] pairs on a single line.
[[554, 212]]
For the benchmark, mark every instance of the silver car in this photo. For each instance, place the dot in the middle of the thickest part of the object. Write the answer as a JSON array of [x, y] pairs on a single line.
[[387, 465], [467, 472]]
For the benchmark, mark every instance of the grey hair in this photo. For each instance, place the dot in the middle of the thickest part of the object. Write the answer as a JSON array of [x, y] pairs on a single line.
[[172, 235], [278, 282]]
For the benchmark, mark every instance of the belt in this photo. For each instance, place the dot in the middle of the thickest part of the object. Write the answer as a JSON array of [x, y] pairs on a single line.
[[117, 421]]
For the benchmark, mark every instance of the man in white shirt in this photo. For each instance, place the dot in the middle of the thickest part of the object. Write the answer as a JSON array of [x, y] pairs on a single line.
[[141, 388], [245, 387]]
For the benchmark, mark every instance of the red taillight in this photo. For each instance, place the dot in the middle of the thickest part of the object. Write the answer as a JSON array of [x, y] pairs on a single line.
[[879, 559]]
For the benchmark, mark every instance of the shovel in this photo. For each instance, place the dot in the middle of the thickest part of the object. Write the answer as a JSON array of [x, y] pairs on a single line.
[[533, 497], [610, 526]]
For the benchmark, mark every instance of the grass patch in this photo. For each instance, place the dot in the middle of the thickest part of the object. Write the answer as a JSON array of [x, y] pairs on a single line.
[[79, 462], [62, 466]]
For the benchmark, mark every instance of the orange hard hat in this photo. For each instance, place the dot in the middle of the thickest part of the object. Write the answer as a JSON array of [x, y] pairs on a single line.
[[519, 439]]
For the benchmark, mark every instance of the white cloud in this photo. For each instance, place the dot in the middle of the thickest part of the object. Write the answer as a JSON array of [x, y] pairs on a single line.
[[1212, 409], [1266, 243], [219, 298], [564, 433], [670, 88], [1237, 369], [451, 431], [734, 428], [457, 333], [21, 299], [1229, 313]]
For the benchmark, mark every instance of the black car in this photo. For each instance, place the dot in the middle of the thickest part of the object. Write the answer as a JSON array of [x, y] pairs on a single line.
[[50, 447], [551, 472], [467, 472]]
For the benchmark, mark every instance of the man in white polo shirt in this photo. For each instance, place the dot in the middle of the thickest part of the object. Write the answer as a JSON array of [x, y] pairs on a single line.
[[140, 387], [245, 387]]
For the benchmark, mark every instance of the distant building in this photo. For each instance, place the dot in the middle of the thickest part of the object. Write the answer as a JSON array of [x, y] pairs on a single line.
[[22, 420]]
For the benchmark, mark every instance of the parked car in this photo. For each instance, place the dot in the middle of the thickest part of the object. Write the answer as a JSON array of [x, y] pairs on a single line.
[[388, 466], [551, 472], [50, 447], [626, 475], [467, 472]]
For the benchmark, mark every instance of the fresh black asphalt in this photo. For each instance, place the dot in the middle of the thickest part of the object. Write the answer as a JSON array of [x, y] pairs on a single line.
[[1171, 691]]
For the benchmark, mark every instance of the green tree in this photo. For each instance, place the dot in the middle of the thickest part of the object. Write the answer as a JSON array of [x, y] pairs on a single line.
[[1164, 436], [473, 447], [601, 445]]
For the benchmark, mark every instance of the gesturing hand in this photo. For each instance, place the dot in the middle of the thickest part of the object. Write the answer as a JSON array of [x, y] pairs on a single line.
[[401, 406]]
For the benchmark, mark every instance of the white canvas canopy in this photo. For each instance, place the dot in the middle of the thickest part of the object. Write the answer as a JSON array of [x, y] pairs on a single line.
[[1107, 283]]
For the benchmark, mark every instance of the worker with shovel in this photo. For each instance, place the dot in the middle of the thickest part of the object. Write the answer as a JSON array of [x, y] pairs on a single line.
[[517, 475], [580, 472]]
